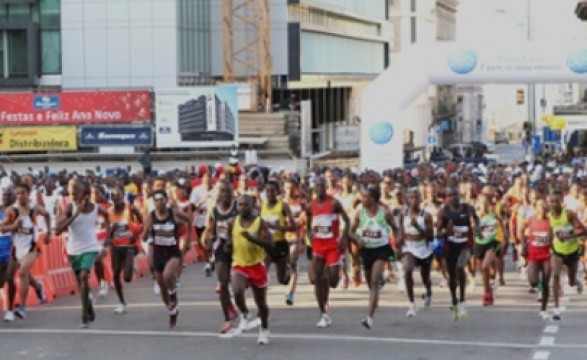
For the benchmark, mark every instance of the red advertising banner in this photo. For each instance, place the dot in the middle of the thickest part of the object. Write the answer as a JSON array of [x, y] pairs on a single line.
[[74, 107]]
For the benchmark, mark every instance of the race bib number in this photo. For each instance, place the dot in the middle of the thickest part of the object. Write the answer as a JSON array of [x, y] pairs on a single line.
[[164, 241], [461, 231], [540, 239]]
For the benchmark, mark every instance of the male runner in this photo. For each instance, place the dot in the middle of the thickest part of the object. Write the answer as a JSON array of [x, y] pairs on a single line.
[[323, 229]]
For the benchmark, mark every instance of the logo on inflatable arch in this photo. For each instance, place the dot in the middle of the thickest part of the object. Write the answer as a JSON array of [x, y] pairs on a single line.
[[381, 133], [463, 62], [577, 61]]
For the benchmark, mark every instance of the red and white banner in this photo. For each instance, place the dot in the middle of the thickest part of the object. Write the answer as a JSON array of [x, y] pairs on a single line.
[[75, 107]]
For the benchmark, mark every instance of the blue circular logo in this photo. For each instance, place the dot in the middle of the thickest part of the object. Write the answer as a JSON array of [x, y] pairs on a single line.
[[381, 133], [577, 61], [463, 62]]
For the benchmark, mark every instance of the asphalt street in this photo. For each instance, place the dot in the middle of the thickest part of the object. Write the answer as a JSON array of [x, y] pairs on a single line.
[[511, 329]]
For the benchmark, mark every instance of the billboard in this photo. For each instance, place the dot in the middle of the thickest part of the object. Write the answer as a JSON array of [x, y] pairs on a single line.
[[196, 117], [38, 138], [75, 107], [97, 136]]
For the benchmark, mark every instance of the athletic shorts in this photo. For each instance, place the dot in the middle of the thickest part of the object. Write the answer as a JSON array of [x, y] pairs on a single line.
[[279, 251], [420, 262], [162, 255], [220, 255], [453, 251], [256, 274], [309, 253], [570, 259], [119, 254], [19, 251], [83, 261], [327, 250], [369, 256], [479, 251], [199, 232]]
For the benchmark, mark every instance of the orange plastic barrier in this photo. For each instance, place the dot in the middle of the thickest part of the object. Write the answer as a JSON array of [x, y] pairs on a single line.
[[53, 270], [59, 270]]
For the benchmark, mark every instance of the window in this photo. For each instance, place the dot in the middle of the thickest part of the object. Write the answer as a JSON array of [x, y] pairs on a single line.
[[2, 54], [19, 12], [50, 23], [17, 54]]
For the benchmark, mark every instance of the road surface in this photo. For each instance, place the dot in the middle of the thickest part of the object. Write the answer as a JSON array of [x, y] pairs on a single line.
[[511, 329]]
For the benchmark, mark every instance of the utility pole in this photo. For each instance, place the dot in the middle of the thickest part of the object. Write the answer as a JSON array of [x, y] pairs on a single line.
[[531, 86]]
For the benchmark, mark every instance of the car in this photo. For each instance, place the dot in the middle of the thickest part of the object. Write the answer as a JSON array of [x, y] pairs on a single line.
[[501, 138], [468, 153]]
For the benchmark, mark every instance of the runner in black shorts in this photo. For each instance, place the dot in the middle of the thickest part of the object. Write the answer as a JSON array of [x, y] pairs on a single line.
[[372, 227], [215, 239], [455, 224], [163, 225]]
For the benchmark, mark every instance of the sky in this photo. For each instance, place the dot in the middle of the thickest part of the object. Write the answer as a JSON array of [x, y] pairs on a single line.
[[499, 20]]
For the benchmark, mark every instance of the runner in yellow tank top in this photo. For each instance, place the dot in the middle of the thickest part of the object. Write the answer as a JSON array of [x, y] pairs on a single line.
[[277, 215], [249, 238], [567, 246]]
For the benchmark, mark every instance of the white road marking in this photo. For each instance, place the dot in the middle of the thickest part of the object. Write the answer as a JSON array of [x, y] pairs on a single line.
[[546, 341], [315, 337], [541, 355], [551, 329]]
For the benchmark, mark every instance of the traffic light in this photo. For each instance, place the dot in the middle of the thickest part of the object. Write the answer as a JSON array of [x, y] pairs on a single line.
[[520, 96]]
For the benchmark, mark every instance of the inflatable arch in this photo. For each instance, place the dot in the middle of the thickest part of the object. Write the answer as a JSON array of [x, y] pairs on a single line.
[[384, 101]]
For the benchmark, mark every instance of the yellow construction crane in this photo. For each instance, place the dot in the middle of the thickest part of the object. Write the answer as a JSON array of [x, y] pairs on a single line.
[[246, 30]]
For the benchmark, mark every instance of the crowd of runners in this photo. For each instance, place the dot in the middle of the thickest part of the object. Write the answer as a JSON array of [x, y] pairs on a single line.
[[354, 227]]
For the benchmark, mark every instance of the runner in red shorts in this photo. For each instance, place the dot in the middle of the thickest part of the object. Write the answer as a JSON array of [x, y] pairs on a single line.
[[323, 230], [538, 232], [250, 238]]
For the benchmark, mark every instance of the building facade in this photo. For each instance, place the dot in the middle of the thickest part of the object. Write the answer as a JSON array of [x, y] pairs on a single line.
[[324, 51]]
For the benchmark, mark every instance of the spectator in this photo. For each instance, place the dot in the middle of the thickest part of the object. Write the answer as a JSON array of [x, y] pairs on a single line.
[[146, 162], [251, 157]]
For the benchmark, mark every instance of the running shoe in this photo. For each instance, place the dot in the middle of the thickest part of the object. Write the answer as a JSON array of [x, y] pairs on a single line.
[[263, 337], [40, 294], [289, 299], [411, 310], [358, 281], [177, 283], [156, 289], [173, 315], [85, 324], [367, 323], [20, 312], [462, 310], [455, 312], [486, 299], [579, 287], [9, 316], [121, 309], [208, 270], [545, 316], [557, 314], [103, 289], [217, 288], [427, 301], [324, 322]]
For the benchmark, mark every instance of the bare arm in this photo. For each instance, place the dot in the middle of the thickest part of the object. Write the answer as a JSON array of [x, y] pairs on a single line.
[[290, 221], [107, 228], [11, 222], [65, 219]]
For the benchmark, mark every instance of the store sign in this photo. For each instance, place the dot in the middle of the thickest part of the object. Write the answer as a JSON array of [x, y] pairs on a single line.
[[38, 138], [115, 136], [347, 137], [76, 107]]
